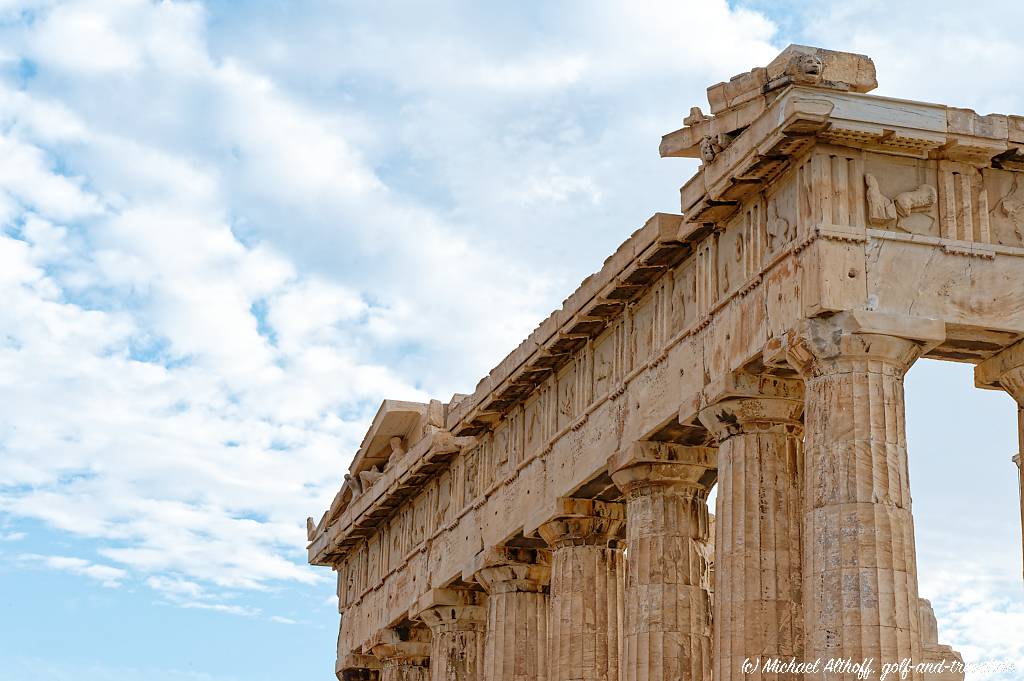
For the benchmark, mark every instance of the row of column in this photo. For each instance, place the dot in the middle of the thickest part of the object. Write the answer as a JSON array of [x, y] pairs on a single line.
[[814, 550]]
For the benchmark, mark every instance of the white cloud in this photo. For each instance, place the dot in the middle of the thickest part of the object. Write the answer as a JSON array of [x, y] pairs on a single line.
[[98, 46], [107, 575], [221, 247], [26, 176]]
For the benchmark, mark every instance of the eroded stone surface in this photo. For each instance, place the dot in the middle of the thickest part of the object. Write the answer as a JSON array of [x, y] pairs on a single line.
[[756, 421], [828, 240], [667, 632], [587, 590]]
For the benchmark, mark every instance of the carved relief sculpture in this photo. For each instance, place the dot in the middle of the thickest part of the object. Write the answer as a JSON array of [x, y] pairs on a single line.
[[554, 524], [884, 212]]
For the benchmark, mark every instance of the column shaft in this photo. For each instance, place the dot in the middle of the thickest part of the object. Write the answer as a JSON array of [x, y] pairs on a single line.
[[587, 590], [403, 670], [457, 653], [404, 653], [515, 647], [667, 633], [859, 563], [1005, 371], [457, 619], [758, 611]]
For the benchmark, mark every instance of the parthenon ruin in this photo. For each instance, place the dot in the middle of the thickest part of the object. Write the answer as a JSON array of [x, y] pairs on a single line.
[[555, 525]]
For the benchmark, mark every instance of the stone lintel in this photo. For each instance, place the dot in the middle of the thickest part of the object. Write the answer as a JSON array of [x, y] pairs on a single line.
[[584, 521], [1003, 371], [663, 463], [510, 568]]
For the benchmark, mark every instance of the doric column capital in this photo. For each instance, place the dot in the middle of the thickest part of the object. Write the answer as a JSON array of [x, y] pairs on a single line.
[[505, 569], [1003, 371], [585, 522], [825, 344], [354, 667], [451, 610], [742, 402], [646, 465], [404, 646]]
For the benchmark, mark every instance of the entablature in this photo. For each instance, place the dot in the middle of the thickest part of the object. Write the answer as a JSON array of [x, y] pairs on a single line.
[[827, 200]]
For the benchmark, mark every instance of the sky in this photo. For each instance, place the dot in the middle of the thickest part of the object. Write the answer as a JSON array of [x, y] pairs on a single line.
[[229, 230]]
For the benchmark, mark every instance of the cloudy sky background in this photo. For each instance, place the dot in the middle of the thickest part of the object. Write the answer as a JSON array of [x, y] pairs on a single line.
[[228, 230]]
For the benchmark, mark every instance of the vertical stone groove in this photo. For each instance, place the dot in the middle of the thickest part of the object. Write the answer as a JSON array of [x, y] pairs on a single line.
[[861, 594], [667, 631], [758, 596], [515, 644], [587, 583], [457, 623]]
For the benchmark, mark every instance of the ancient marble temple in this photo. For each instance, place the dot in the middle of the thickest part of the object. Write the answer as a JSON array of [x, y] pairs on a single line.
[[555, 524]]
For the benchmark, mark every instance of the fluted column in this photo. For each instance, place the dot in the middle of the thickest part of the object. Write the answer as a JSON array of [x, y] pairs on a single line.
[[404, 653], [1017, 459], [516, 581], [457, 619], [859, 560], [587, 588], [1005, 371], [939, 656], [758, 599], [667, 632]]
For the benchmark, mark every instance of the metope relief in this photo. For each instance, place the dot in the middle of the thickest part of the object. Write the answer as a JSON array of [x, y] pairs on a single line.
[[566, 389], [641, 330], [605, 351], [683, 303], [902, 196], [1006, 210], [780, 219], [539, 413], [887, 213], [730, 258]]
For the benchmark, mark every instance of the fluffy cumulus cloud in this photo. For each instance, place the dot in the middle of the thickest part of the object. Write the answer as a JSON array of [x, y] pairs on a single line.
[[227, 230], [215, 260]]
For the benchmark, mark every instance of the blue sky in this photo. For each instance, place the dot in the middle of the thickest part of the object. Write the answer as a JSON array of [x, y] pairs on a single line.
[[228, 230]]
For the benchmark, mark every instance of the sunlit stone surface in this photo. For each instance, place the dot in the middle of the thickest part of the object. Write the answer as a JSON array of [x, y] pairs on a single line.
[[554, 525]]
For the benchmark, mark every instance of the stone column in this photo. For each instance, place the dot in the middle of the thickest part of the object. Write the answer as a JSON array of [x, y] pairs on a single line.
[[516, 581], [758, 599], [939, 656], [457, 620], [357, 668], [667, 632], [1005, 371], [1020, 482], [587, 587], [859, 560], [404, 653]]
